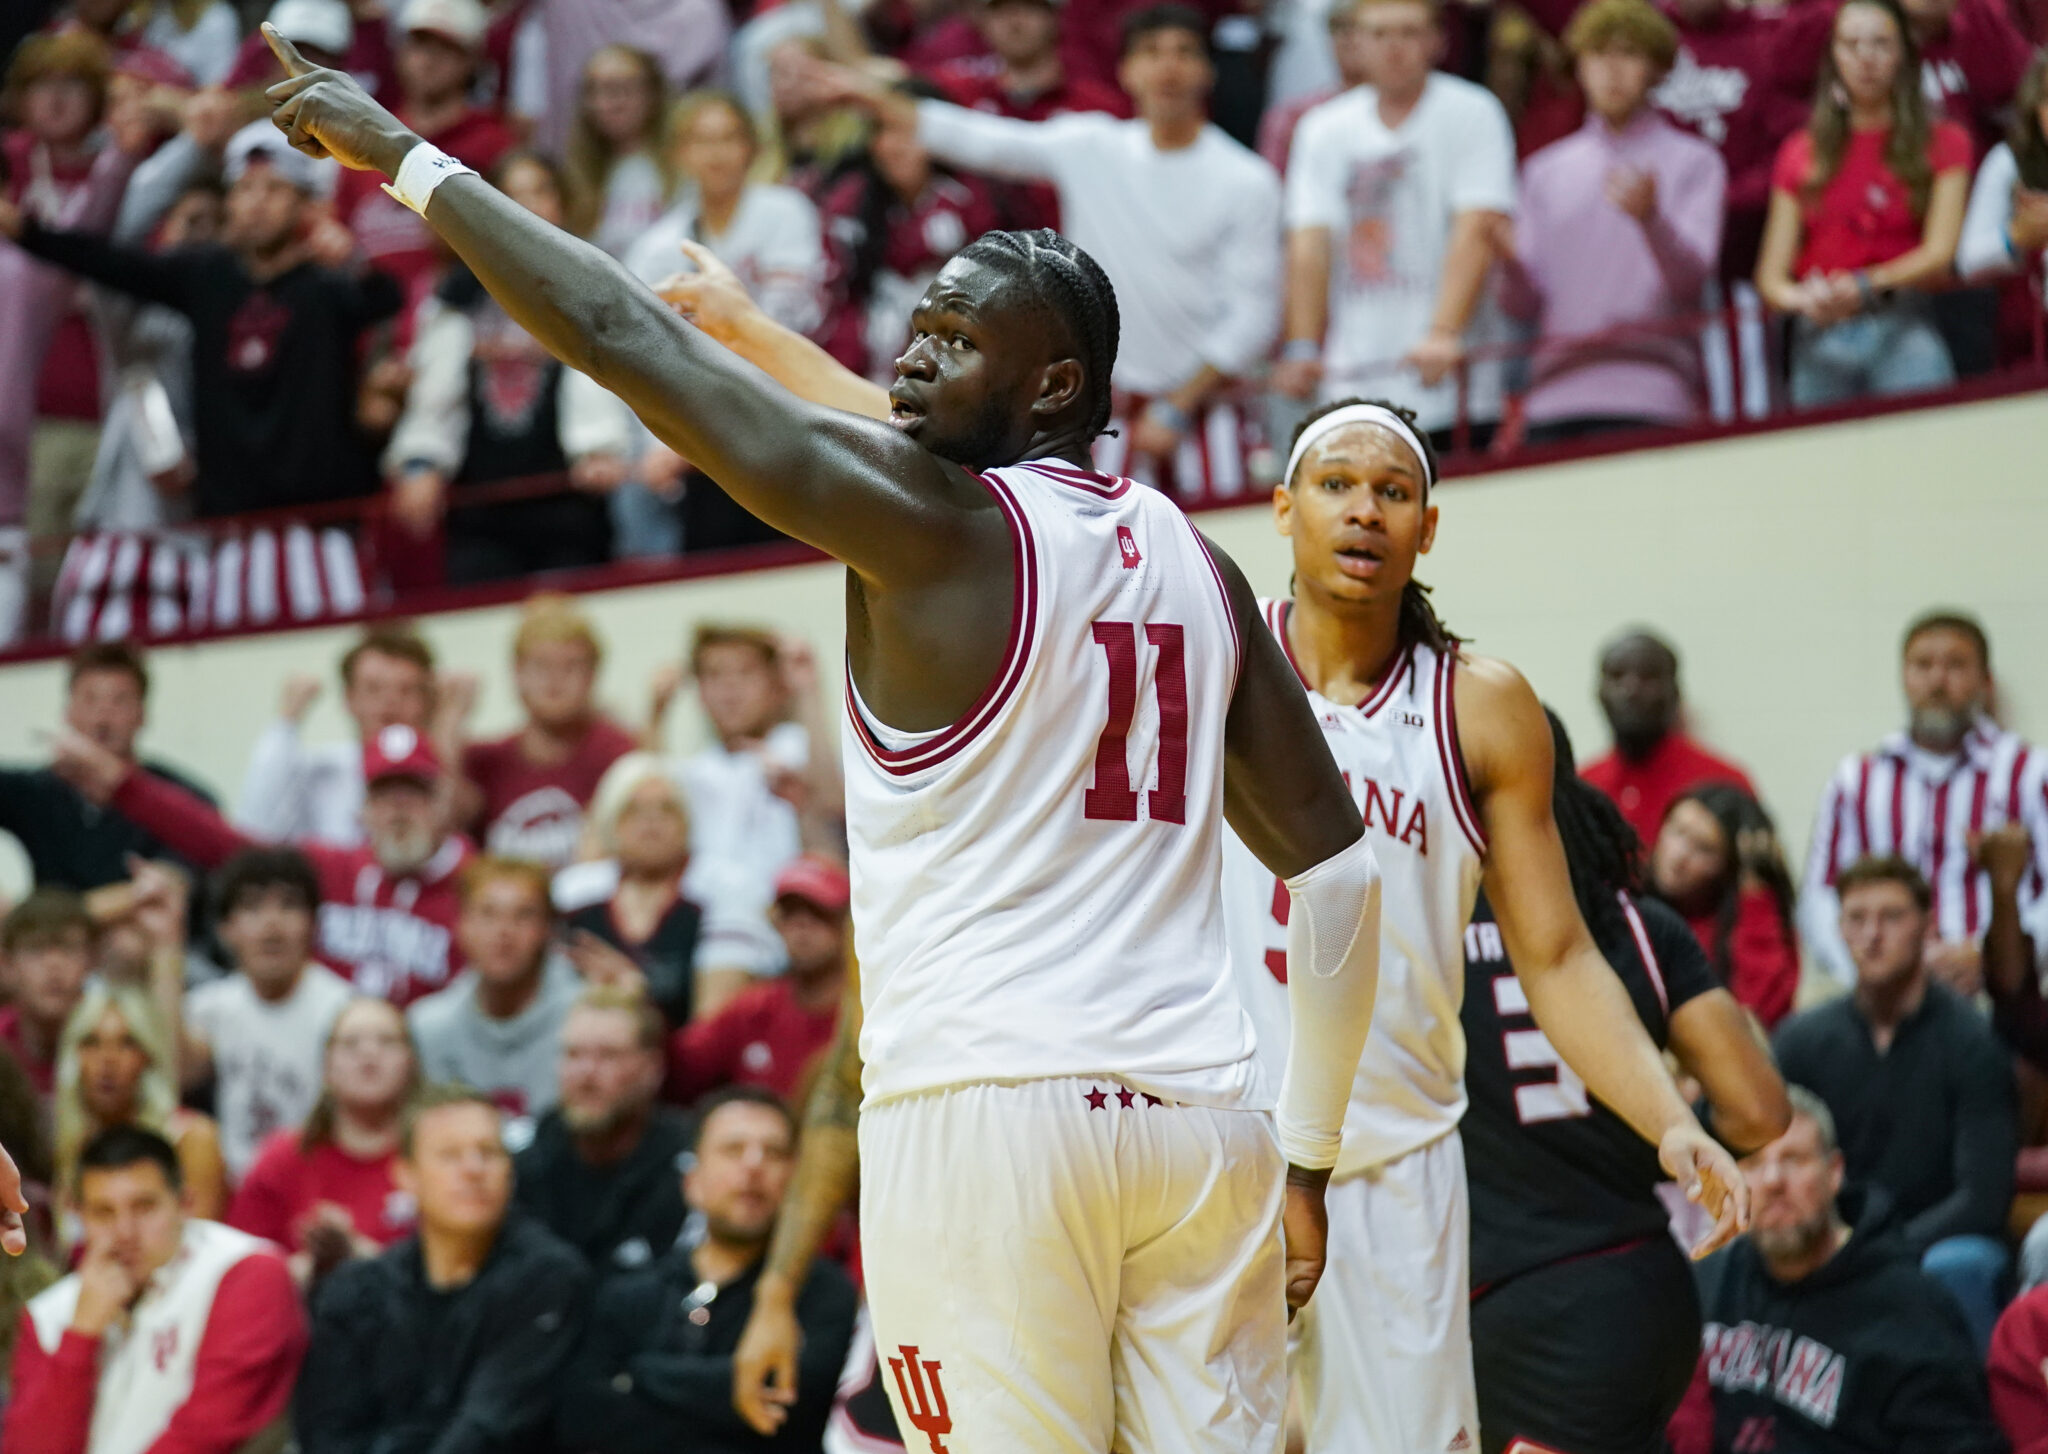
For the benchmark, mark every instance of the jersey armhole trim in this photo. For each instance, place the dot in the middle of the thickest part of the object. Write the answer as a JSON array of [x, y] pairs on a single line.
[[1453, 757], [1643, 947], [1002, 686], [1223, 591], [1278, 613]]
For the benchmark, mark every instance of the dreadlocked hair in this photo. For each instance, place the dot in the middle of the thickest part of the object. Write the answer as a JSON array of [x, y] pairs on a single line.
[[1070, 284], [1600, 849], [1418, 620]]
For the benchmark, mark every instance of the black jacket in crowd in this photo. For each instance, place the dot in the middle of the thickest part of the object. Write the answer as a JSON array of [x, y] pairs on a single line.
[[71, 843], [654, 1374], [1866, 1355], [396, 1367], [273, 365], [1933, 1120], [620, 1216]]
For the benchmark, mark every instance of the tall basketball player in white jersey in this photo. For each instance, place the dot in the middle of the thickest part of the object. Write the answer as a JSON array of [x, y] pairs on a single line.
[[1448, 756], [1074, 1177]]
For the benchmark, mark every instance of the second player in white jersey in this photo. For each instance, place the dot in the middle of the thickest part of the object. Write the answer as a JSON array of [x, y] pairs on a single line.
[[1398, 753], [1033, 886]]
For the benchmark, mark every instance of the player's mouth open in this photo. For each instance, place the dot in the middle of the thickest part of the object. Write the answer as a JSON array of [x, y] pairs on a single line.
[[1358, 562], [905, 414]]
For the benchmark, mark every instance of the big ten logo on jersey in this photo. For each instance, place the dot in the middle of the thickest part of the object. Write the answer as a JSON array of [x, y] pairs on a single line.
[[1551, 1091]]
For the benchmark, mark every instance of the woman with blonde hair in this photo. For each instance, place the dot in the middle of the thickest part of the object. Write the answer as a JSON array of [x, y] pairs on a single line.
[[618, 172], [1866, 209], [115, 1068], [640, 912], [328, 1190]]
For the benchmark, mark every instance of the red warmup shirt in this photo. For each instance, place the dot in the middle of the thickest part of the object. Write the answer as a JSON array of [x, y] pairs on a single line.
[[393, 937], [1974, 67], [1644, 790], [42, 1074], [979, 84], [535, 810], [1864, 216], [1763, 961], [285, 1184], [2019, 1373], [392, 235], [242, 1378], [68, 385], [761, 1037]]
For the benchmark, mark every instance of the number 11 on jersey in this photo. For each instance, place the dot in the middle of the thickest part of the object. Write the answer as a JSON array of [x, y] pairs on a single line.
[[1112, 798]]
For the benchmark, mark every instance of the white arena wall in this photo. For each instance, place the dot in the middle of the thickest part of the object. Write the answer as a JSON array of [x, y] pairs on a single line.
[[1783, 565]]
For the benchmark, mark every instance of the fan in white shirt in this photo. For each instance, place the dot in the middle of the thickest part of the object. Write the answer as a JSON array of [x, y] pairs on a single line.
[[294, 792], [1186, 223], [1395, 192], [262, 1031]]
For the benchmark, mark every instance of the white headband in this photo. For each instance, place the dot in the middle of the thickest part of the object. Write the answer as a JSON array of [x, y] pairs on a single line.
[[1377, 414]]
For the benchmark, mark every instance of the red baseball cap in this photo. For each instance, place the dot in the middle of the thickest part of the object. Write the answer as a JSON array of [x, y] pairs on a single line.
[[817, 880], [398, 751]]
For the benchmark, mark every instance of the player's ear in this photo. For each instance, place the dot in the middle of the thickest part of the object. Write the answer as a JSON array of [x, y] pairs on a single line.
[[1428, 531], [1058, 387], [1283, 509]]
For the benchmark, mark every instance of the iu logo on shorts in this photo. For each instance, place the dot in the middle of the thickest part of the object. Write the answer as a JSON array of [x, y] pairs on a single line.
[[1127, 547], [924, 1401]]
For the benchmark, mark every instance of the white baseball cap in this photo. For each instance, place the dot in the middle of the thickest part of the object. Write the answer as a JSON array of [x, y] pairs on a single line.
[[261, 141], [325, 24], [460, 21]]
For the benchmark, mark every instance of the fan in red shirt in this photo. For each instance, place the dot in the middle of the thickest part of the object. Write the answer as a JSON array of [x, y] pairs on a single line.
[[1652, 761], [891, 221], [1025, 78], [524, 794], [1716, 861], [2019, 1372], [437, 60], [769, 1035], [328, 1190], [1866, 210], [388, 906]]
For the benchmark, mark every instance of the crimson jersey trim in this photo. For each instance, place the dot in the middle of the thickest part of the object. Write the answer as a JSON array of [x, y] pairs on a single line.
[[1103, 485], [901, 762], [1453, 758]]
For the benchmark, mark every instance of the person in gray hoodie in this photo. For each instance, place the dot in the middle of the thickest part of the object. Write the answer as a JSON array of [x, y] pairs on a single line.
[[498, 1024]]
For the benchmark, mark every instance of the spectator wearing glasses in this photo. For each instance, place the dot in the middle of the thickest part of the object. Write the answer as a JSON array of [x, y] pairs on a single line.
[[1866, 209], [656, 1371], [1618, 233], [328, 1190]]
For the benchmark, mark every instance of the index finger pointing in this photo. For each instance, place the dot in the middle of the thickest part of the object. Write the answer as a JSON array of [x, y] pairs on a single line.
[[287, 54]]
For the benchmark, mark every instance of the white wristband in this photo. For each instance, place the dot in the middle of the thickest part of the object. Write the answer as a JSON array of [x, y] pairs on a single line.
[[424, 168]]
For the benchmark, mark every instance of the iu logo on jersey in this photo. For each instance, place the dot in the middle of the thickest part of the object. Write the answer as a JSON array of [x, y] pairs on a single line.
[[924, 1401], [1127, 547], [163, 1347]]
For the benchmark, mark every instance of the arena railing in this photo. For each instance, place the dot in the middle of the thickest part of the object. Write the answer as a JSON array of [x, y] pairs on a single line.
[[365, 523]]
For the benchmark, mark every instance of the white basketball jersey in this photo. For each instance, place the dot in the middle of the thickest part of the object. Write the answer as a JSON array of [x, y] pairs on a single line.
[[1398, 750], [1034, 887]]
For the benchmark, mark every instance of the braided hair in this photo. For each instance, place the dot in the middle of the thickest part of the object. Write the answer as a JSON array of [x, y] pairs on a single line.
[[1071, 285], [1418, 619], [1602, 852]]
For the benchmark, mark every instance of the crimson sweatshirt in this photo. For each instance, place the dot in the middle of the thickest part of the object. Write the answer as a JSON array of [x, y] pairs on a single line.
[[242, 1379], [388, 934], [2019, 1373]]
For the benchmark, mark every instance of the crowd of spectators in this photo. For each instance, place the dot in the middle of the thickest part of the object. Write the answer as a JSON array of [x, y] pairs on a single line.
[[444, 1090], [1529, 222]]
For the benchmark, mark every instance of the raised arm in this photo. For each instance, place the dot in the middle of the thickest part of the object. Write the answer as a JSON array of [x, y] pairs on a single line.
[[1575, 996], [890, 510], [1284, 796]]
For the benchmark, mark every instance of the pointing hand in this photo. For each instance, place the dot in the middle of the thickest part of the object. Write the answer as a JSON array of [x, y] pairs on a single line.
[[325, 113]]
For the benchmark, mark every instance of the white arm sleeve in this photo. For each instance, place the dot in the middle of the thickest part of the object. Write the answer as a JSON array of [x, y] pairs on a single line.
[[1000, 146], [1333, 972]]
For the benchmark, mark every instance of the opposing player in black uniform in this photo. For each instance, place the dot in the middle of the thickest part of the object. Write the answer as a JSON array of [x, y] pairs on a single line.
[[1585, 1323]]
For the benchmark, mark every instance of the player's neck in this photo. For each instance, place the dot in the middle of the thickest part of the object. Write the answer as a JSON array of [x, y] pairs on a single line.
[[1344, 649]]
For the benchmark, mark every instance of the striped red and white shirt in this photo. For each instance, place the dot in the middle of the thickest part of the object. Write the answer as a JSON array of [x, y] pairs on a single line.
[[1925, 807]]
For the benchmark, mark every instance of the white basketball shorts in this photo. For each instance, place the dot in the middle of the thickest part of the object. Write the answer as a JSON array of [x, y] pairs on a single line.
[[1383, 1350], [1065, 1265]]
